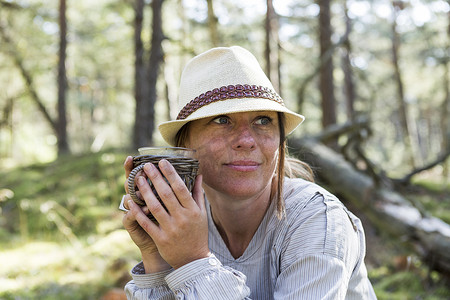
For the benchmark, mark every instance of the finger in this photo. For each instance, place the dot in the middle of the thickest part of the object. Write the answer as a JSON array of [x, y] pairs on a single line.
[[197, 193], [181, 195], [137, 215], [164, 189], [153, 204], [129, 220], [128, 165], [125, 201]]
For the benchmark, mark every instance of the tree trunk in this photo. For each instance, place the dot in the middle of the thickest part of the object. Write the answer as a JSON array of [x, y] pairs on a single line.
[[326, 81], [140, 78], [317, 70], [146, 77], [349, 87], [63, 144], [326, 85], [156, 58], [388, 210], [272, 51], [212, 25], [445, 109], [402, 107]]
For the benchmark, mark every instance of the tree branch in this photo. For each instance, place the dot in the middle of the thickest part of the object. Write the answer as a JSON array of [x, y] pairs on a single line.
[[407, 178], [18, 60]]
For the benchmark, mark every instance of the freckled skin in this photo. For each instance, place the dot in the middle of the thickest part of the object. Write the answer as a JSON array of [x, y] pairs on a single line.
[[238, 152]]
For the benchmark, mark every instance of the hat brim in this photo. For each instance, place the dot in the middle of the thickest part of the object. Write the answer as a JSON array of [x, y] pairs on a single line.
[[169, 129]]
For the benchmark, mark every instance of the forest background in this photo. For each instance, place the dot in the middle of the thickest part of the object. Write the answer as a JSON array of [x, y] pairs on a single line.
[[370, 76]]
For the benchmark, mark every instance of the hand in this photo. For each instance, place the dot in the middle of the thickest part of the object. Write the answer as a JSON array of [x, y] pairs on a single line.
[[150, 255], [181, 234], [128, 166]]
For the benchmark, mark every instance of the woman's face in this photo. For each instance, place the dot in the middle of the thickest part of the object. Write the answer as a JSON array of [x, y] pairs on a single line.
[[238, 152]]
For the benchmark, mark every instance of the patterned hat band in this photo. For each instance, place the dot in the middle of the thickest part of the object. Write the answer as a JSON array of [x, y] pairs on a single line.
[[229, 92]]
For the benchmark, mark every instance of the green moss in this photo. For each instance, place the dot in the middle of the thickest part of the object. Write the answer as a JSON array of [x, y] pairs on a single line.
[[433, 196], [75, 192]]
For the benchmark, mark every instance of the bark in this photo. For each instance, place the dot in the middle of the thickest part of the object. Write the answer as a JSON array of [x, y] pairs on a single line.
[[63, 143], [212, 25], [445, 109], [402, 106], [146, 75], [272, 49], [140, 76], [349, 86], [317, 69], [326, 85], [7, 110], [388, 210], [170, 92], [154, 67], [336, 130]]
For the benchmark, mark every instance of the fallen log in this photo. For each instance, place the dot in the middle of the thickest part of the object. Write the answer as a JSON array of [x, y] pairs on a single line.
[[388, 210]]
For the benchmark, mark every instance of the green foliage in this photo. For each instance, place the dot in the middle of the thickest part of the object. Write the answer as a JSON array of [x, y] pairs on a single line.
[[408, 284], [61, 235], [68, 197], [433, 195]]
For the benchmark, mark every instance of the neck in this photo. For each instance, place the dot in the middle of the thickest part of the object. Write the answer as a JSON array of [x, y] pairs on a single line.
[[238, 220]]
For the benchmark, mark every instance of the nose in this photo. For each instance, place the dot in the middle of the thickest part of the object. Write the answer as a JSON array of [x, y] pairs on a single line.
[[243, 138]]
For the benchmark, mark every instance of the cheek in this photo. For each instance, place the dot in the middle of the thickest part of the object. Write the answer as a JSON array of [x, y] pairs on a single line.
[[208, 151], [270, 145], [271, 153]]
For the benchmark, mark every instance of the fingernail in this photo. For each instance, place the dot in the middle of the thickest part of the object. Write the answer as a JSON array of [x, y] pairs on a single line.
[[163, 163]]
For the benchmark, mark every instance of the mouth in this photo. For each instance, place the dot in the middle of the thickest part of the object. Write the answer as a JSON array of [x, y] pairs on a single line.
[[243, 165]]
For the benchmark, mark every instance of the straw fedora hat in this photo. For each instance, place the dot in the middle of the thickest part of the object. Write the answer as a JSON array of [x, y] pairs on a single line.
[[224, 81]]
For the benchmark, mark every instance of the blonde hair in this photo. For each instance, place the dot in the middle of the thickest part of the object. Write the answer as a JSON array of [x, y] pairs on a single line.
[[287, 166]]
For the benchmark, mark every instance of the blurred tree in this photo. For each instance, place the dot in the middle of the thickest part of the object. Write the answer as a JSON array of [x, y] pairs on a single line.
[[445, 108], [27, 76], [212, 25], [402, 106], [326, 86], [348, 86], [99, 67], [58, 124], [272, 47], [146, 77], [140, 78], [63, 143]]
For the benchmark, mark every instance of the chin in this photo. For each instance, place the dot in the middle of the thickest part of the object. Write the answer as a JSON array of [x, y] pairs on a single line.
[[247, 191]]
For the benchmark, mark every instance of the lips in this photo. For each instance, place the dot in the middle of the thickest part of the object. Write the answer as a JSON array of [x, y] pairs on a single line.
[[243, 165]]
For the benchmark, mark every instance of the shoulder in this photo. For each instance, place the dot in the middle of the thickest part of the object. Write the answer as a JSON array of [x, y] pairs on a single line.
[[299, 194], [317, 222]]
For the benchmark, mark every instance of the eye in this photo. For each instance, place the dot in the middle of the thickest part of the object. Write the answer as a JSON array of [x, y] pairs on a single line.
[[221, 120], [263, 120]]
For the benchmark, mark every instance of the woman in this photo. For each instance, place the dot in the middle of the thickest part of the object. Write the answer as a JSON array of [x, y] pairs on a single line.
[[246, 231]]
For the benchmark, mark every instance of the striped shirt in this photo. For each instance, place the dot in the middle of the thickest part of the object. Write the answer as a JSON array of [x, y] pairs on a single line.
[[316, 252]]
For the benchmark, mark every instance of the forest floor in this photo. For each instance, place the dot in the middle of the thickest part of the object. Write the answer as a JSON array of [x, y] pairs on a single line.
[[61, 235]]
